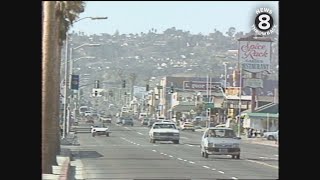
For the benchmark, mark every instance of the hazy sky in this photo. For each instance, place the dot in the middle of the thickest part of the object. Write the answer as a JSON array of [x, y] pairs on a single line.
[[194, 16]]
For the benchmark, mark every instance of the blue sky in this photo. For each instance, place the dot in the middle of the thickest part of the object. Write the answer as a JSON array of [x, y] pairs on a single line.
[[194, 16]]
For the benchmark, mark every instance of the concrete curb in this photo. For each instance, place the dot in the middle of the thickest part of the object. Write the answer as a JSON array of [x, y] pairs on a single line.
[[63, 170]]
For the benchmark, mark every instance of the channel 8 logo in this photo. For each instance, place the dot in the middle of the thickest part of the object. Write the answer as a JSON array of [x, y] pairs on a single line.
[[264, 22]]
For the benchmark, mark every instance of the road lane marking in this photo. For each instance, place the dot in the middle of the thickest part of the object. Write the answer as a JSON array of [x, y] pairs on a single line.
[[221, 172], [190, 145], [126, 127], [191, 162], [276, 155], [162, 153], [155, 145], [206, 167], [268, 158], [140, 133], [213, 169], [138, 144], [180, 159], [184, 138], [165, 154], [262, 163], [154, 150], [234, 178], [170, 156], [185, 160]]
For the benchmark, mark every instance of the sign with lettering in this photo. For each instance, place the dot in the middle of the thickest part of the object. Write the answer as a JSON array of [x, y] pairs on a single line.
[[232, 91], [255, 56], [200, 85], [253, 83]]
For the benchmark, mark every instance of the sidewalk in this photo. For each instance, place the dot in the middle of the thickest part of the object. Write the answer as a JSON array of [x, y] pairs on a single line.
[[63, 170]]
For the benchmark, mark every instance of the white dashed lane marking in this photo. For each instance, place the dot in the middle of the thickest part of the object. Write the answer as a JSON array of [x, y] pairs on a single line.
[[191, 162], [258, 162], [170, 156], [180, 159], [213, 169], [154, 150], [140, 133], [189, 145], [221, 172], [206, 167], [234, 178]]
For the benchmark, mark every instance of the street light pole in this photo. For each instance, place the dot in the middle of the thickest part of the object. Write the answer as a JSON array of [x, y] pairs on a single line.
[[71, 105], [66, 90]]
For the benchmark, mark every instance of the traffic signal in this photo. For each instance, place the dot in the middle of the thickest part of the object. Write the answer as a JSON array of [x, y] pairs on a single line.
[[97, 84], [124, 84], [75, 82], [171, 89], [147, 87]]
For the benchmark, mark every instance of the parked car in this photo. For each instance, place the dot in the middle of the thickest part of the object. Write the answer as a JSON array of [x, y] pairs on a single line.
[[271, 135], [220, 141]]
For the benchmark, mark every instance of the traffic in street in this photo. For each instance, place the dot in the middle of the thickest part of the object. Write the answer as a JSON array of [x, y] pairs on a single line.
[[128, 154]]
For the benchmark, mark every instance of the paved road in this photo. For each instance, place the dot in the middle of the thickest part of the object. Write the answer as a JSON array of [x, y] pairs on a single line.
[[127, 154]]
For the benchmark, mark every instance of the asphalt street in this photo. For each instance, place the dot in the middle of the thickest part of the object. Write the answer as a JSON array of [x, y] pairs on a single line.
[[127, 154]]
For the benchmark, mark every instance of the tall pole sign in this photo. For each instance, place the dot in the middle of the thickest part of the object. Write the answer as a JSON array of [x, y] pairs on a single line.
[[254, 57]]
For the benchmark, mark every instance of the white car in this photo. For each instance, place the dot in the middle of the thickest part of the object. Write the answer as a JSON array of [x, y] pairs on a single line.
[[99, 130], [187, 126], [220, 141], [162, 131], [271, 135]]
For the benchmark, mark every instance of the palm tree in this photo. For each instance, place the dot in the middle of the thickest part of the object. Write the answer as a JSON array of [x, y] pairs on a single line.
[[48, 46], [66, 13], [55, 27]]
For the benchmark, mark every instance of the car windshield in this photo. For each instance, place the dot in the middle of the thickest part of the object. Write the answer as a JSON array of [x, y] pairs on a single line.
[[221, 133], [164, 126]]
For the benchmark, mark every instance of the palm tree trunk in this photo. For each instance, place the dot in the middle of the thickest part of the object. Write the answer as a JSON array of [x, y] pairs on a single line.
[[57, 84], [48, 58]]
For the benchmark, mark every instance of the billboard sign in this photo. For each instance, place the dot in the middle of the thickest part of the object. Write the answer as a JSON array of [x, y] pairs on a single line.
[[253, 83], [199, 85], [232, 91], [255, 56]]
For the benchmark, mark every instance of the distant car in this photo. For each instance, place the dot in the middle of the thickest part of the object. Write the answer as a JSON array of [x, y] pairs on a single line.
[[105, 119], [162, 131], [271, 135], [187, 126], [168, 121], [119, 120], [144, 122], [87, 113], [220, 141], [99, 130], [127, 121], [151, 122]]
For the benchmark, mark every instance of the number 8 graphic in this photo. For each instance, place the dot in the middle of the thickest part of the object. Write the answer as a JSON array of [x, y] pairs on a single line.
[[264, 22]]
